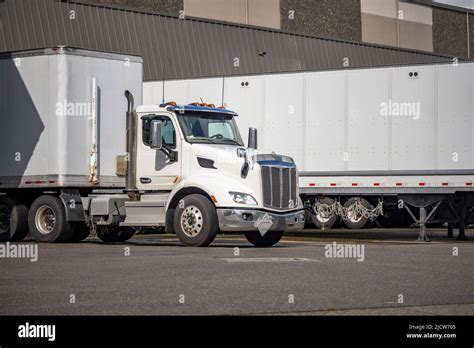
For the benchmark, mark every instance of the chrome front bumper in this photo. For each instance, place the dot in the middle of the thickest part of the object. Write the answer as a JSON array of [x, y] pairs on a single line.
[[236, 220]]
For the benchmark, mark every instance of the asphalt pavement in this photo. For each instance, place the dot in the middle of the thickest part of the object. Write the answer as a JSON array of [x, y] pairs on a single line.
[[155, 275]]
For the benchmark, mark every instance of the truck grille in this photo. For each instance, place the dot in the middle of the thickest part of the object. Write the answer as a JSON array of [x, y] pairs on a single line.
[[279, 187]]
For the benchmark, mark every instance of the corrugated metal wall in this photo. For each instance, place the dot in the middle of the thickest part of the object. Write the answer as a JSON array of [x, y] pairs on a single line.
[[183, 48]]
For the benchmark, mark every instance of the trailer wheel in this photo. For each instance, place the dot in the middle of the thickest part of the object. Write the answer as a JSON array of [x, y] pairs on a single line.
[[13, 220], [80, 231], [267, 240], [322, 220], [47, 220], [195, 221], [355, 220], [112, 234]]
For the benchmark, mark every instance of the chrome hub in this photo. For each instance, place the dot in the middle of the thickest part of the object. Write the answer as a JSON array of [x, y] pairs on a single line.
[[45, 219], [191, 221]]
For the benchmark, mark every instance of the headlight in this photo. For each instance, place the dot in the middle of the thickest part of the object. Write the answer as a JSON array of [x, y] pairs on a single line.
[[243, 198]]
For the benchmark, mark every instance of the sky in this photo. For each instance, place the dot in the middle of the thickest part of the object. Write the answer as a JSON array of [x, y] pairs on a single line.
[[460, 3]]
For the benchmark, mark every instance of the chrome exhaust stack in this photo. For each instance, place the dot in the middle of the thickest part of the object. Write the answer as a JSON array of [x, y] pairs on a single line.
[[131, 146]]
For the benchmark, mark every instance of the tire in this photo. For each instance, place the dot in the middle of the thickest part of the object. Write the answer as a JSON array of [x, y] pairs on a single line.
[[322, 221], [13, 220], [187, 217], [356, 222], [113, 234], [269, 239], [80, 231], [47, 220]]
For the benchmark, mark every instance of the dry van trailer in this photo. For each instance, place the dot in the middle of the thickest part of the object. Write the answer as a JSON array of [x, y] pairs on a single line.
[[62, 108], [401, 135], [62, 127]]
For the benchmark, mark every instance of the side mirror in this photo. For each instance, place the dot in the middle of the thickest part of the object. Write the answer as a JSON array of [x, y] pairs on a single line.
[[252, 143], [156, 140]]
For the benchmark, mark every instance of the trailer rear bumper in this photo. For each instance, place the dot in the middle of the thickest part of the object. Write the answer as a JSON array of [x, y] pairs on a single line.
[[238, 220]]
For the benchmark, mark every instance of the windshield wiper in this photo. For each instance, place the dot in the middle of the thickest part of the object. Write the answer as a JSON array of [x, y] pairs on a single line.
[[203, 140], [232, 141]]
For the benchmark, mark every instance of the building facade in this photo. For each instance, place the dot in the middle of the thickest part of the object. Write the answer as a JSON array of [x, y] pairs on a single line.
[[414, 24], [174, 48]]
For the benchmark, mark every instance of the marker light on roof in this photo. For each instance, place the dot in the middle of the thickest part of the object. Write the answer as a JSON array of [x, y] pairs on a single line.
[[203, 104]]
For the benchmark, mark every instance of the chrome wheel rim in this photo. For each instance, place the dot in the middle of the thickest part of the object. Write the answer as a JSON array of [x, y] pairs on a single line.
[[45, 220], [353, 215], [191, 221], [322, 216]]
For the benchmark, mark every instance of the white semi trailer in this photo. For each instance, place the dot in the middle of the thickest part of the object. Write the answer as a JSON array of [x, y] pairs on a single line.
[[72, 163], [369, 142]]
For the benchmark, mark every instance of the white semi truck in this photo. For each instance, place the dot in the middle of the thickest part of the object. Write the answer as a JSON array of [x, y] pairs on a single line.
[[371, 144], [72, 163]]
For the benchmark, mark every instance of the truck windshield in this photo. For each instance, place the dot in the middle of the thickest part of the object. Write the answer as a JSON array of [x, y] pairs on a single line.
[[209, 128]]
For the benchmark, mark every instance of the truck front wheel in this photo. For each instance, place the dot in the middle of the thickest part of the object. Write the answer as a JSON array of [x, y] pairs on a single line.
[[47, 220], [13, 220], [195, 221], [267, 240]]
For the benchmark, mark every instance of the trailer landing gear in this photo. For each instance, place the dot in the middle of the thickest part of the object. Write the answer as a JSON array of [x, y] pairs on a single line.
[[421, 202]]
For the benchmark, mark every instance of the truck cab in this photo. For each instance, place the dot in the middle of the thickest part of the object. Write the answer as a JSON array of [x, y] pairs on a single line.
[[192, 159]]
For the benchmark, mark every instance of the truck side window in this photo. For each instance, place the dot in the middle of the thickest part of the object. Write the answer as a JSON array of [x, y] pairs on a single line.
[[168, 131]]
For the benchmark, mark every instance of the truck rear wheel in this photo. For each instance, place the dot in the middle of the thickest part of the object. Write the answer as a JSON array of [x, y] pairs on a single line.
[[195, 221], [112, 234], [355, 220], [47, 220], [270, 238], [322, 219], [13, 220]]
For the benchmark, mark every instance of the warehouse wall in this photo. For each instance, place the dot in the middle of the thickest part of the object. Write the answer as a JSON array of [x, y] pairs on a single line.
[[165, 6], [413, 24], [399, 24], [264, 13], [330, 18], [449, 32], [471, 35]]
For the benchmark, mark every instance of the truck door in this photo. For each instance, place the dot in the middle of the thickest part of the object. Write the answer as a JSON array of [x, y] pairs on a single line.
[[155, 170]]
